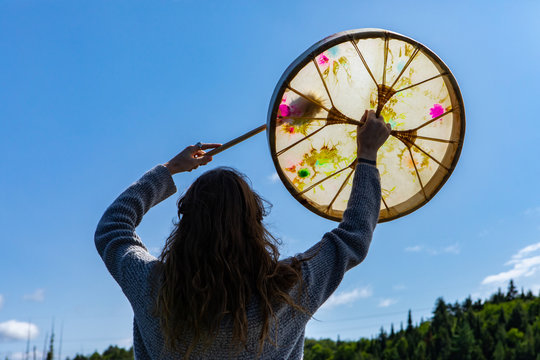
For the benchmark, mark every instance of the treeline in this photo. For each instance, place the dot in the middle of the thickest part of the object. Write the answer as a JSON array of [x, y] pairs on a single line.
[[111, 353], [504, 327]]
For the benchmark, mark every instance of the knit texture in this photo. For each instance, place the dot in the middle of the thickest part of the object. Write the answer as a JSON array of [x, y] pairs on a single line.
[[130, 264]]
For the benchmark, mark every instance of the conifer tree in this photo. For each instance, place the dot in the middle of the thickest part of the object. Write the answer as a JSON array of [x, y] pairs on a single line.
[[498, 297], [499, 354], [502, 317], [462, 342], [517, 318], [512, 291], [420, 351], [442, 329], [50, 353], [467, 303], [403, 348]]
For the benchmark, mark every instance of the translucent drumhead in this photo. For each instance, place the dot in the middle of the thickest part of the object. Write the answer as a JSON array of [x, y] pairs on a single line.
[[320, 99]]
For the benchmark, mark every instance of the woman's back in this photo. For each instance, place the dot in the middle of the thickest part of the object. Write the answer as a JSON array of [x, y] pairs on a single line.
[[133, 267]]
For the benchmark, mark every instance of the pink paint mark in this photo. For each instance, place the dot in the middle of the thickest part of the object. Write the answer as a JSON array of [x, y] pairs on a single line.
[[323, 59], [436, 110], [284, 110]]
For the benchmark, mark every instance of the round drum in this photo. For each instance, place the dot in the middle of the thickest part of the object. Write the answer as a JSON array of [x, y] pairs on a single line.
[[320, 99]]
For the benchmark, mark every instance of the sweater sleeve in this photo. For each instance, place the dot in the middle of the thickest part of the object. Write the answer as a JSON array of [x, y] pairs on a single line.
[[347, 245], [123, 252]]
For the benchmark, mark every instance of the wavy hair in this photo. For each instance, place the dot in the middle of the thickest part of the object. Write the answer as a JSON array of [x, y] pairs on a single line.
[[218, 256]]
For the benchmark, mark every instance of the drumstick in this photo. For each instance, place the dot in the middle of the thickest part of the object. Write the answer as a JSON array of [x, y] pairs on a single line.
[[261, 129], [237, 140]]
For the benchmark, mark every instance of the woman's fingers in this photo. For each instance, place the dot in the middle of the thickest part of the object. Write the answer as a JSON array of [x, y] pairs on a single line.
[[190, 158], [364, 117], [201, 158], [198, 153], [204, 160]]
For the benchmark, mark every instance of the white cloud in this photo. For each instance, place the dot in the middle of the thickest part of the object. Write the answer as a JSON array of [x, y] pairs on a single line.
[[38, 296], [17, 330], [522, 268], [1, 301], [347, 297], [274, 178], [387, 302], [399, 287], [524, 263], [416, 248], [525, 251]]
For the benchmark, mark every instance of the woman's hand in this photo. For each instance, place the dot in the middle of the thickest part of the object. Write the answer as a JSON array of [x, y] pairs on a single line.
[[371, 135], [190, 158]]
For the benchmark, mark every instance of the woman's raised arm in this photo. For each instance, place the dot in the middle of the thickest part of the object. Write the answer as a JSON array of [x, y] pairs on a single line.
[[121, 249]]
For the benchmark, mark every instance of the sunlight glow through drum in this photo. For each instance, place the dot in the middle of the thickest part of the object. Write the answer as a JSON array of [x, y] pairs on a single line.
[[320, 99]]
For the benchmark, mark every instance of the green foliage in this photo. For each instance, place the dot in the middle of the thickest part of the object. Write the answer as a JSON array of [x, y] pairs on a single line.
[[507, 326], [111, 353]]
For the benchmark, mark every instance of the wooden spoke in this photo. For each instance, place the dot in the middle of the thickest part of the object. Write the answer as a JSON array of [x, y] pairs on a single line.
[[430, 156], [409, 143], [350, 121], [340, 189], [322, 180], [385, 205], [434, 119], [417, 174], [307, 98], [416, 50], [344, 121], [324, 82], [385, 59], [299, 141], [421, 82], [364, 62], [300, 118], [438, 140]]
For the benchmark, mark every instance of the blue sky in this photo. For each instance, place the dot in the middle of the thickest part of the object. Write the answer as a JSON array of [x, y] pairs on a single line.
[[94, 93]]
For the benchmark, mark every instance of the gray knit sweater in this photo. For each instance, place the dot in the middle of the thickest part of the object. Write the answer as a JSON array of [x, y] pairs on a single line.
[[130, 264]]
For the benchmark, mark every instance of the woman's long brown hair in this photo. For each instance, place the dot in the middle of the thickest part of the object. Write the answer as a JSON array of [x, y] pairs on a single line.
[[218, 256]]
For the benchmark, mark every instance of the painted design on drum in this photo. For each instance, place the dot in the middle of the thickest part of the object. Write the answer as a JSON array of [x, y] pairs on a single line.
[[325, 160], [421, 161], [296, 115], [331, 62]]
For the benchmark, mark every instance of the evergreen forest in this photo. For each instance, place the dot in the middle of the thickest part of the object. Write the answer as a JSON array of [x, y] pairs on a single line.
[[504, 327]]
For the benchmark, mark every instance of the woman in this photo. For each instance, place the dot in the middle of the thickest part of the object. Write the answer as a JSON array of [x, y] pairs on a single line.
[[218, 289]]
